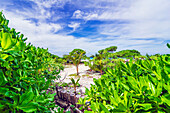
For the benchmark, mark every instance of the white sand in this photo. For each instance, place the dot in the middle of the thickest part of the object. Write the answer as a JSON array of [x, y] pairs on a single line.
[[84, 81]]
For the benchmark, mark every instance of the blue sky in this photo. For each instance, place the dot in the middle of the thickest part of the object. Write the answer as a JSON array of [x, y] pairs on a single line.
[[63, 25]]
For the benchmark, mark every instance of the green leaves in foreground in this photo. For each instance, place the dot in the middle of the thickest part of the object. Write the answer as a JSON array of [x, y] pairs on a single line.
[[168, 45], [137, 86], [26, 73], [2, 78]]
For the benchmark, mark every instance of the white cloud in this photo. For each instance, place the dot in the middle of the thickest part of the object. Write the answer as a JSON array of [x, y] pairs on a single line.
[[50, 3], [143, 19], [74, 25], [78, 14], [41, 35], [91, 17]]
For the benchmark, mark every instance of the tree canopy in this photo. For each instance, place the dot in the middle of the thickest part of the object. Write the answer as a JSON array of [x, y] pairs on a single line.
[[108, 49], [75, 56], [127, 53]]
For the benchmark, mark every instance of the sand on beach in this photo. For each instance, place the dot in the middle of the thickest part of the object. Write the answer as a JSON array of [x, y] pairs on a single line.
[[84, 81]]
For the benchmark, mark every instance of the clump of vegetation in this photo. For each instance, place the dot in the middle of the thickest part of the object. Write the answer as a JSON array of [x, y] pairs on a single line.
[[136, 86], [106, 58], [26, 73]]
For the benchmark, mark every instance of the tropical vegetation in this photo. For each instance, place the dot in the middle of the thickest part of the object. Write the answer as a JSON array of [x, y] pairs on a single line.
[[129, 81], [107, 58], [26, 73], [134, 86]]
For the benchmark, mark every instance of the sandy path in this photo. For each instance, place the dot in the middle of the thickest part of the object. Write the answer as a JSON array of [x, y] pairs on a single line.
[[84, 81]]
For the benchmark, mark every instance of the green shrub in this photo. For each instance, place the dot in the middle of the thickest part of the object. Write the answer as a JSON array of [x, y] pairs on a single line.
[[26, 72], [137, 86]]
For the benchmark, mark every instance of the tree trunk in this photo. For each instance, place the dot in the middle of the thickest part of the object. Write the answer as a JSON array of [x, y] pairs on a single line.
[[75, 89], [101, 72], [77, 69]]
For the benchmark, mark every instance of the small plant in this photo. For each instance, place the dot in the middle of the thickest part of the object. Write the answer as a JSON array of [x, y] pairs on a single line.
[[72, 75], [75, 83]]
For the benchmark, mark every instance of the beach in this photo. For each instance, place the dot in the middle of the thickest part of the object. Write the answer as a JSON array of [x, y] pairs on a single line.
[[86, 78]]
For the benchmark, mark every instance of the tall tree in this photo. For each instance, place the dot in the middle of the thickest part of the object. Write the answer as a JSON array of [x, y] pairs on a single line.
[[75, 56]]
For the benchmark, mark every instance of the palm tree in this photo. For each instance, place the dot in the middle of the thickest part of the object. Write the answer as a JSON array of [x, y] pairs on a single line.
[[75, 56], [75, 83]]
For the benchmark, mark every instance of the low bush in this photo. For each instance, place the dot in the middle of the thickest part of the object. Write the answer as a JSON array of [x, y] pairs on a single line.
[[135, 86], [26, 73]]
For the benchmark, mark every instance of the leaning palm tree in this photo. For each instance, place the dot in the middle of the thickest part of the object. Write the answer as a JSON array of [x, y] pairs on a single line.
[[75, 56]]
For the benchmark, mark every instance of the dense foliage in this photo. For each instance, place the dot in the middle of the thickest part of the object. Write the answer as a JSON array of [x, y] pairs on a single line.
[[106, 58], [126, 53], [108, 49], [135, 86], [26, 72]]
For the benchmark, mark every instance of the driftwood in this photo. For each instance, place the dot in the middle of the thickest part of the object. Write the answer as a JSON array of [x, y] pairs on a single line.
[[63, 78], [67, 99]]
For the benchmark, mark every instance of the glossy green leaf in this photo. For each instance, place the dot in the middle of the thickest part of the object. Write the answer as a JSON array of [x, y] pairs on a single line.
[[30, 107], [165, 100], [6, 41], [3, 79], [133, 82], [125, 86], [146, 106], [152, 87], [104, 108]]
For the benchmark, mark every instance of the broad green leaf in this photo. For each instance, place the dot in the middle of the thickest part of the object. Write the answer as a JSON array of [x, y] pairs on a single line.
[[104, 108], [165, 100], [4, 56], [73, 81], [113, 101], [152, 87], [3, 79], [18, 89], [2, 60], [146, 106], [31, 107], [26, 97], [6, 41], [121, 107], [133, 82], [117, 98], [159, 88], [167, 87], [94, 106], [125, 86], [125, 99]]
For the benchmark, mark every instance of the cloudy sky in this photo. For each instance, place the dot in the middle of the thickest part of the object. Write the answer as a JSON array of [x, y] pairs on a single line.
[[63, 25]]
